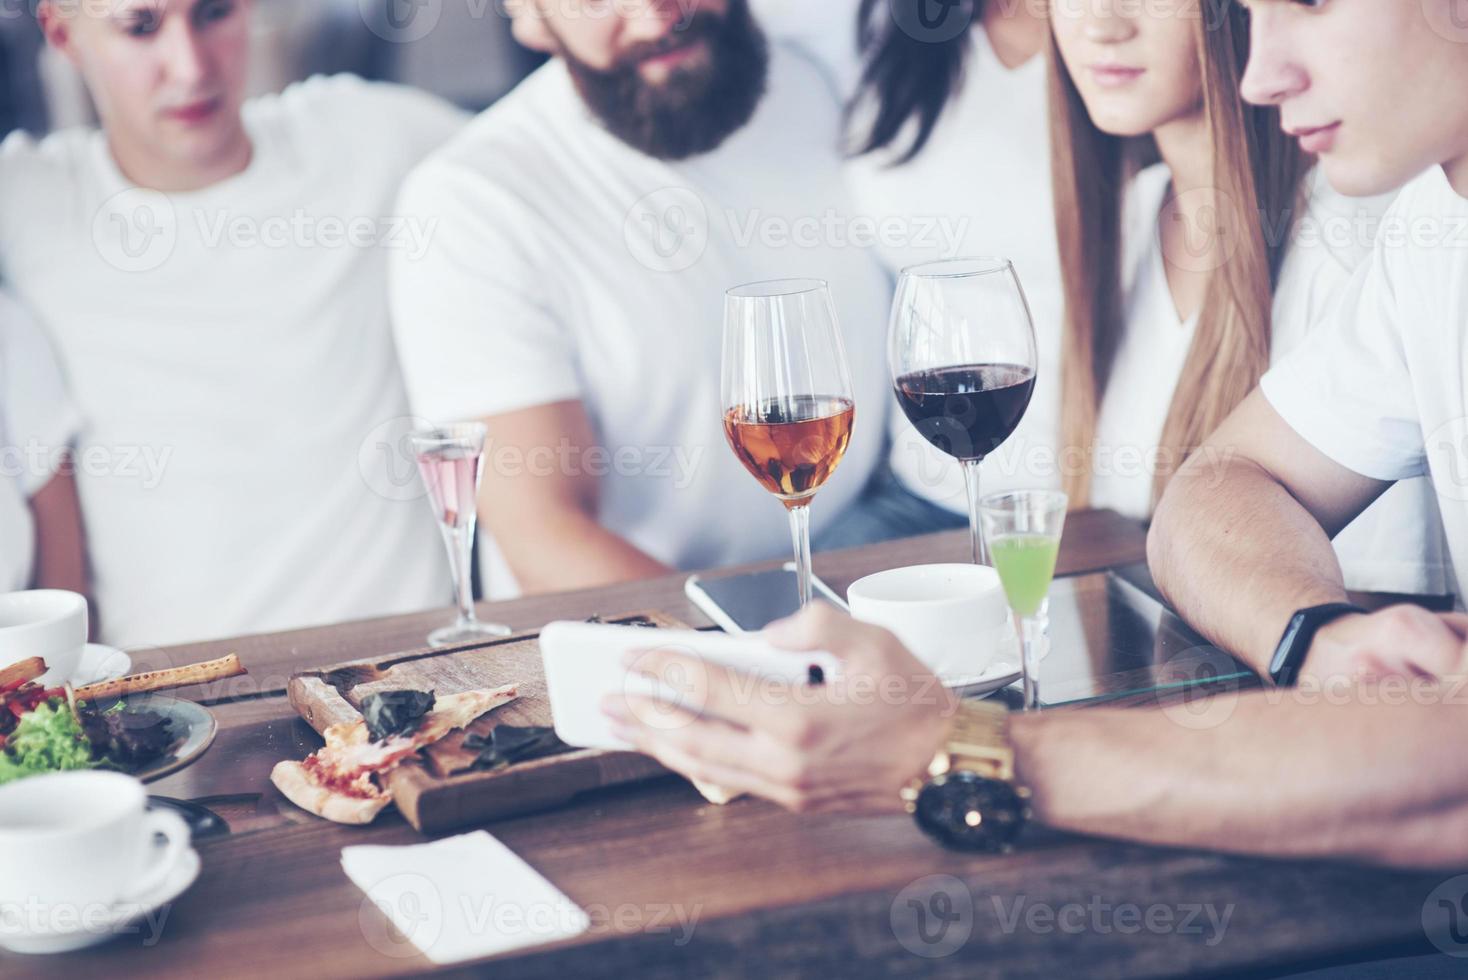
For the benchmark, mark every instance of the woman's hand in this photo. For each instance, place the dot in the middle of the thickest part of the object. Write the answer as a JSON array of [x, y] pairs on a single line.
[[848, 745]]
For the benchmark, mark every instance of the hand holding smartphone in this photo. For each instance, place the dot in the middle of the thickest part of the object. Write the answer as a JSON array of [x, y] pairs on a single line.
[[583, 664]]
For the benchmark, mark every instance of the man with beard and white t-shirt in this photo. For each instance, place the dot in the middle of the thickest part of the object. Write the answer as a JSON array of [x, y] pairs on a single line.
[[588, 227], [212, 273]]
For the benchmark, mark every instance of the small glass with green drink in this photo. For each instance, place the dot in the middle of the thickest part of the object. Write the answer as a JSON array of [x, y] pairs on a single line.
[[1023, 530]]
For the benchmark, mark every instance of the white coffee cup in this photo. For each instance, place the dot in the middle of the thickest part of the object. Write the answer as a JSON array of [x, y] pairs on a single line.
[[952, 617], [76, 845], [46, 623]]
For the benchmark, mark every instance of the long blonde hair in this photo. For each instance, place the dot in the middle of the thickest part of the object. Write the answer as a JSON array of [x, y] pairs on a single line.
[[1258, 174]]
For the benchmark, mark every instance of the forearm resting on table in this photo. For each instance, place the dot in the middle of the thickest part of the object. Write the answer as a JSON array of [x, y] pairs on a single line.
[[1241, 538], [1375, 779], [561, 549], [1238, 558], [543, 514]]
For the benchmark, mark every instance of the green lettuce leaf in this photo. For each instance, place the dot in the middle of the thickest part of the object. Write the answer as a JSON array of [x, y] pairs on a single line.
[[47, 739]]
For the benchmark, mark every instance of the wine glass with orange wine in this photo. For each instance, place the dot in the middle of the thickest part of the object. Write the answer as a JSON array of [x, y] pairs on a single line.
[[788, 406]]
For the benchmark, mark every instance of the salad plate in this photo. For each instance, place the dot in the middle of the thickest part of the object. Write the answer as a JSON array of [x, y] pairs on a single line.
[[191, 725]]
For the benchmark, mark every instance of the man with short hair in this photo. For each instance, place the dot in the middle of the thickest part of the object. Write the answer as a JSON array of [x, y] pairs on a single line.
[[588, 226], [212, 272]]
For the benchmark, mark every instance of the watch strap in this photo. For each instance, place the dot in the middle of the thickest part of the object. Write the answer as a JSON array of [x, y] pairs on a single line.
[[1294, 644]]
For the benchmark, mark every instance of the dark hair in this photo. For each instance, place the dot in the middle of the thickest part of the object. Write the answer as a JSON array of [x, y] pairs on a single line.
[[906, 76]]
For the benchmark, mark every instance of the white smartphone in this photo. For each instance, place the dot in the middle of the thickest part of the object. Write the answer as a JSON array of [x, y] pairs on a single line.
[[583, 664], [747, 602]]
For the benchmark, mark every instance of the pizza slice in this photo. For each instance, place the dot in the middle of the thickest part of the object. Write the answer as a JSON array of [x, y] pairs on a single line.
[[342, 781]]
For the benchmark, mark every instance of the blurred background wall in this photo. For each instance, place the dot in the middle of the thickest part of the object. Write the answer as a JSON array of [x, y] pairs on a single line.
[[460, 49]]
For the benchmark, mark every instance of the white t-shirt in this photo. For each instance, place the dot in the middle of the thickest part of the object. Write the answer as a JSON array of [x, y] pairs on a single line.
[[568, 266], [1396, 546], [981, 186], [38, 423], [1381, 391], [231, 351], [826, 31]]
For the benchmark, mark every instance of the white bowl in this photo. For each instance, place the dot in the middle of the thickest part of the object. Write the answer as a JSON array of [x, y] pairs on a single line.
[[46, 623]]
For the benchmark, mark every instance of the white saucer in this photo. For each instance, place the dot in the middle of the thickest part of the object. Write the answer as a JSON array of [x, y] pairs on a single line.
[[114, 922], [100, 663], [1003, 672]]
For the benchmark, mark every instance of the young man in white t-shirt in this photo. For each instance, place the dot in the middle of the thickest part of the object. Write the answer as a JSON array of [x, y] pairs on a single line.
[[588, 226], [213, 275], [1373, 399], [41, 542]]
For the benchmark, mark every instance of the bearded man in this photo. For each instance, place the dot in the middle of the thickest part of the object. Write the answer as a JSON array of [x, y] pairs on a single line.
[[587, 227]]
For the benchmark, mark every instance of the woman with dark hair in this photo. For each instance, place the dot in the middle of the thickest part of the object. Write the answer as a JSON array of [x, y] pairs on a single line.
[[950, 151]]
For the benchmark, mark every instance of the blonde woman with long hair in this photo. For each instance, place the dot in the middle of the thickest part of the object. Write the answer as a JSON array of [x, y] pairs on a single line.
[[1184, 278]]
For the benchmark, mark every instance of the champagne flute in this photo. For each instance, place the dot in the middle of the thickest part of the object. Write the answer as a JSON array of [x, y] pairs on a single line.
[[788, 405], [961, 346], [451, 460], [1023, 528]]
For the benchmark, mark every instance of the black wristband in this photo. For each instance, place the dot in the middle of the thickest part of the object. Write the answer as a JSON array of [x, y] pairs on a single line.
[[1294, 645]]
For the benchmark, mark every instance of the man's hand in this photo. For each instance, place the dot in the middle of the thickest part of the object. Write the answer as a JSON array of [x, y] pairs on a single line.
[[849, 745], [1398, 641]]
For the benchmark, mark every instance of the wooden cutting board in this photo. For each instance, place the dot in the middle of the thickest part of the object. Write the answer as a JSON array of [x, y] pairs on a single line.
[[440, 792]]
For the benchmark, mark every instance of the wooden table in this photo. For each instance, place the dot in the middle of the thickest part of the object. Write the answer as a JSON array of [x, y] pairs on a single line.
[[676, 887]]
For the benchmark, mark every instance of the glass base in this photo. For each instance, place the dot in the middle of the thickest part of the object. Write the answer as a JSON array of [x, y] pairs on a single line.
[[467, 633]]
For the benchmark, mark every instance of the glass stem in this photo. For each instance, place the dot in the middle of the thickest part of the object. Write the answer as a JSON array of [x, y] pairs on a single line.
[[975, 528], [460, 544], [1033, 631], [800, 538]]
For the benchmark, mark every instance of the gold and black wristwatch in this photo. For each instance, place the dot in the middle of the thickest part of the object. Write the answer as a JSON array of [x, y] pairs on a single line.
[[969, 799]]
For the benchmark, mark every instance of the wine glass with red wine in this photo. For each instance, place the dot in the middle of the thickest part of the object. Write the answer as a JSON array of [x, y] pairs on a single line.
[[962, 351], [788, 407], [451, 461]]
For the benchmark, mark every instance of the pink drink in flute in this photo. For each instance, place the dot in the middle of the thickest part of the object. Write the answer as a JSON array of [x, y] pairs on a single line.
[[451, 459]]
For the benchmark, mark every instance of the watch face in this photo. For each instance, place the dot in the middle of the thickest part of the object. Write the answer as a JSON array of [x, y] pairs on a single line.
[[967, 811]]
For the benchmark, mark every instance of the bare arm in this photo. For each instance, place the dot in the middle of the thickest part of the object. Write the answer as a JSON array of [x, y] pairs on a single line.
[[540, 503], [60, 544], [1277, 773], [1279, 777], [1241, 539]]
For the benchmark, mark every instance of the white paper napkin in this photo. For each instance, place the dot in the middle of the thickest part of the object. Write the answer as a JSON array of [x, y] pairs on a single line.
[[462, 898]]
